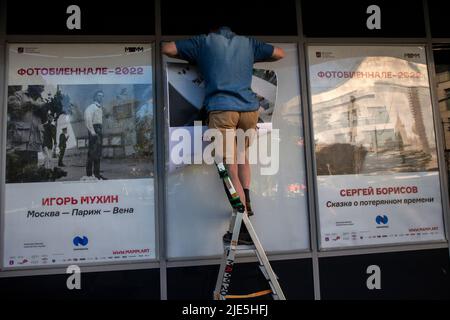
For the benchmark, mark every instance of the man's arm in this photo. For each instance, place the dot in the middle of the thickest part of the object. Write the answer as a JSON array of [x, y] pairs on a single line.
[[266, 52], [170, 49], [278, 54], [187, 49]]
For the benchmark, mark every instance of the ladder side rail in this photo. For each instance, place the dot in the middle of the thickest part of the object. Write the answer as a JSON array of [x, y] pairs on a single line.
[[264, 259]]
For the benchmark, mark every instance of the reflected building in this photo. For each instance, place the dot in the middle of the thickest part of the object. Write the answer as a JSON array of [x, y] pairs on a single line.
[[443, 91], [377, 126]]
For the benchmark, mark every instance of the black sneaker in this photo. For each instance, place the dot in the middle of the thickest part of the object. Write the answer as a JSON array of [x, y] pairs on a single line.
[[244, 238], [247, 203], [249, 209]]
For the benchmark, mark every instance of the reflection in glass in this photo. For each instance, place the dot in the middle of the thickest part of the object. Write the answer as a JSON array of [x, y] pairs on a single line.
[[197, 207], [376, 126], [442, 62]]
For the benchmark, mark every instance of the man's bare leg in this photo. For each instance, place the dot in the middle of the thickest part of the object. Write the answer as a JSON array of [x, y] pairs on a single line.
[[234, 175], [244, 173]]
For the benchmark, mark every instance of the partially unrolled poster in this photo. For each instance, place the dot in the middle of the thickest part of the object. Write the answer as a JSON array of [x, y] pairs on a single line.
[[198, 211]]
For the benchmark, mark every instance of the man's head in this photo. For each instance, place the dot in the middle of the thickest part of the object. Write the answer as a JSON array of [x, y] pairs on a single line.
[[216, 23], [35, 90], [13, 89], [98, 96], [64, 130], [214, 28]]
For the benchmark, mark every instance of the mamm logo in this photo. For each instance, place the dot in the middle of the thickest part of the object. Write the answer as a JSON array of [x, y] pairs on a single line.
[[412, 55]]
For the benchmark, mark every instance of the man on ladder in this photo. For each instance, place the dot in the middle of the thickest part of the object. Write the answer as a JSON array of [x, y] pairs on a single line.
[[225, 61]]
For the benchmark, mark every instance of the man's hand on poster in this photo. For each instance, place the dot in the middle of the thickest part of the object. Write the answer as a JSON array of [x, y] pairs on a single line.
[[278, 54], [170, 49]]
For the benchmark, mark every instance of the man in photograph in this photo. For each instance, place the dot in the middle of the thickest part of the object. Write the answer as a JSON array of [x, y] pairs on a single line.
[[93, 117], [49, 142], [63, 138], [225, 61], [26, 111]]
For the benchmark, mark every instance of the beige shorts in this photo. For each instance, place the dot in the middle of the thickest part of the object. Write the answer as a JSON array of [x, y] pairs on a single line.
[[231, 121]]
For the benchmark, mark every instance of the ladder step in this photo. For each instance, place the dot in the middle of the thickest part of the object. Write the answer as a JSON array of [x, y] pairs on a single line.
[[251, 295]]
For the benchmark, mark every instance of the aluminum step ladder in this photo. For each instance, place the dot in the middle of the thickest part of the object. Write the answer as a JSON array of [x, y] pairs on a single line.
[[239, 216]]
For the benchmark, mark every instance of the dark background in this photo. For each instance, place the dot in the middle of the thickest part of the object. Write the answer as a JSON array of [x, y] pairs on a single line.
[[249, 17], [135, 17], [325, 18], [134, 284], [439, 19], [295, 277], [99, 17], [422, 275]]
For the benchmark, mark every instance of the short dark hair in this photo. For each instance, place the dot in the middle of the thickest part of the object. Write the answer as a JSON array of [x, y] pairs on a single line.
[[96, 93], [214, 23], [36, 88], [213, 27], [13, 89]]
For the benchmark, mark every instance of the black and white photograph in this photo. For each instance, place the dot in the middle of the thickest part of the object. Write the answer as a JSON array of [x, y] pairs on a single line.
[[79, 133], [187, 90]]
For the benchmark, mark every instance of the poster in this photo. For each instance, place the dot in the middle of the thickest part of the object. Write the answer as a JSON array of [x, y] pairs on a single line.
[[79, 155], [377, 169], [198, 212]]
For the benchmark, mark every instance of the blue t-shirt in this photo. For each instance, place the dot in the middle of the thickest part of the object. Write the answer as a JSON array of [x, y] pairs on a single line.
[[225, 61]]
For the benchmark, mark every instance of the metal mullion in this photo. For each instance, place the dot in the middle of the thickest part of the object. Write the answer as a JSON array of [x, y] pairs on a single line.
[[309, 153], [438, 128]]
